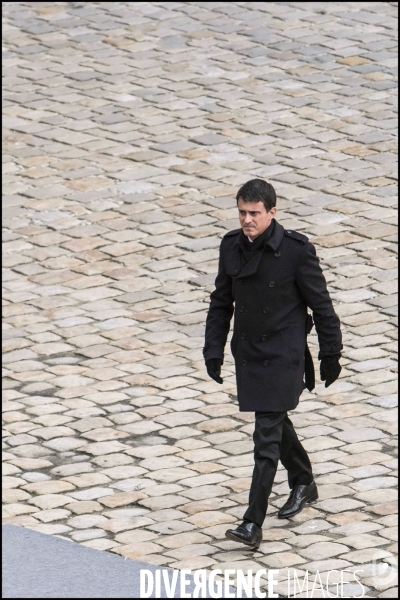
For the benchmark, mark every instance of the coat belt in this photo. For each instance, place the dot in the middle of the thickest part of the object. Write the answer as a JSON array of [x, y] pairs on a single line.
[[309, 371]]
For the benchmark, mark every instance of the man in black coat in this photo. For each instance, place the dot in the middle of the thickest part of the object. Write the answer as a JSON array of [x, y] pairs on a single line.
[[267, 277]]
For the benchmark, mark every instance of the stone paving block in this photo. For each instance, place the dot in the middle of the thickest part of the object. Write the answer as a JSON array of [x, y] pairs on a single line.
[[121, 499], [378, 496], [87, 479], [50, 501], [366, 555], [182, 539], [171, 527], [121, 524], [371, 483], [280, 560], [362, 434], [48, 487], [162, 489], [205, 505], [361, 541], [83, 507], [137, 550], [387, 508]]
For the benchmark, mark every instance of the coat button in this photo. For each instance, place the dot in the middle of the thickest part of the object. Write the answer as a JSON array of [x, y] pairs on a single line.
[[263, 337], [244, 363], [241, 309], [289, 230], [265, 363], [265, 309], [277, 254], [243, 336], [271, 284]]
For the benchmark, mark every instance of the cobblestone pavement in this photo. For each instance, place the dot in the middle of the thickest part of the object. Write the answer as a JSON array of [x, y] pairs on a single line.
[[127, 130]]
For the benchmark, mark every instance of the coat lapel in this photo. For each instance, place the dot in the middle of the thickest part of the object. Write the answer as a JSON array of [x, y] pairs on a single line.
[[233, 266], [251, 267]]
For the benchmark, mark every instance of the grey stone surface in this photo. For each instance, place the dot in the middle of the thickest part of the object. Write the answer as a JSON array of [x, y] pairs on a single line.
[[43, 566]]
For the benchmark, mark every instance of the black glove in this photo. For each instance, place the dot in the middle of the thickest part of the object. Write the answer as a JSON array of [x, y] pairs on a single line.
[[213, 366], [330, 369]]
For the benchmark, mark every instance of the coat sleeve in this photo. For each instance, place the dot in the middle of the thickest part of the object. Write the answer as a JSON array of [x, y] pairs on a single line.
[[311, 283], [219, 314]]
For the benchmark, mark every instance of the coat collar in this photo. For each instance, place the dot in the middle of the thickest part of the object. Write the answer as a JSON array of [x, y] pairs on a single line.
[[251, 267], [275, 239]]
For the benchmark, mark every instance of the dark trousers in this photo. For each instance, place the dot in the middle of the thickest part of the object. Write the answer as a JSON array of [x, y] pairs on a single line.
[[274, 439]]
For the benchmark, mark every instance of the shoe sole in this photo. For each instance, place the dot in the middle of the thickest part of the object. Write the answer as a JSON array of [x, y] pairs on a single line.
[[233, 538], [312, 500]]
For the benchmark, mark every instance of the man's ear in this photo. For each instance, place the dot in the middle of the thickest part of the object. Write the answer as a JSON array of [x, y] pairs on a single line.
[[273, 211]]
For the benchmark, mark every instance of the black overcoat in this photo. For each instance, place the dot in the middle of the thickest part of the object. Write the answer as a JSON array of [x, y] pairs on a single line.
[[269, 296]]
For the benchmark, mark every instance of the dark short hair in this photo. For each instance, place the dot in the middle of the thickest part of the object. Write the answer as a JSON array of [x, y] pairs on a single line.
[[258, 190]]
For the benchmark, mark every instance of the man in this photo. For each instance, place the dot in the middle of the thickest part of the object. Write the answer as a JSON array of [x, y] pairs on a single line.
[[271, 275]]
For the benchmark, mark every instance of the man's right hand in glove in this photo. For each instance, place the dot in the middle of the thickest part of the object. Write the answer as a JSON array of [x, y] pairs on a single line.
[[213, 366]]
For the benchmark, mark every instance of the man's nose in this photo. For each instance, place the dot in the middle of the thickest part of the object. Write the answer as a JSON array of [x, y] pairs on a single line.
[[247, 219]]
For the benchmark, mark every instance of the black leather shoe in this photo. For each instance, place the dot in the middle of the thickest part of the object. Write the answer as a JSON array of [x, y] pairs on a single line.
[[299, 496], [247, 533]]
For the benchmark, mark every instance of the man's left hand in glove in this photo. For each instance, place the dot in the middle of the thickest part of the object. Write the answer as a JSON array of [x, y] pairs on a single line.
[[330, 368]]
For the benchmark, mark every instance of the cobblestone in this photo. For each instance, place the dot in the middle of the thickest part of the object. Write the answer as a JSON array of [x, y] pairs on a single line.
[[122, 157]]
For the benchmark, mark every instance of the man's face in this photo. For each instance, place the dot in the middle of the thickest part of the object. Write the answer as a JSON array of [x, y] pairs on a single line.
[[254, 218]]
